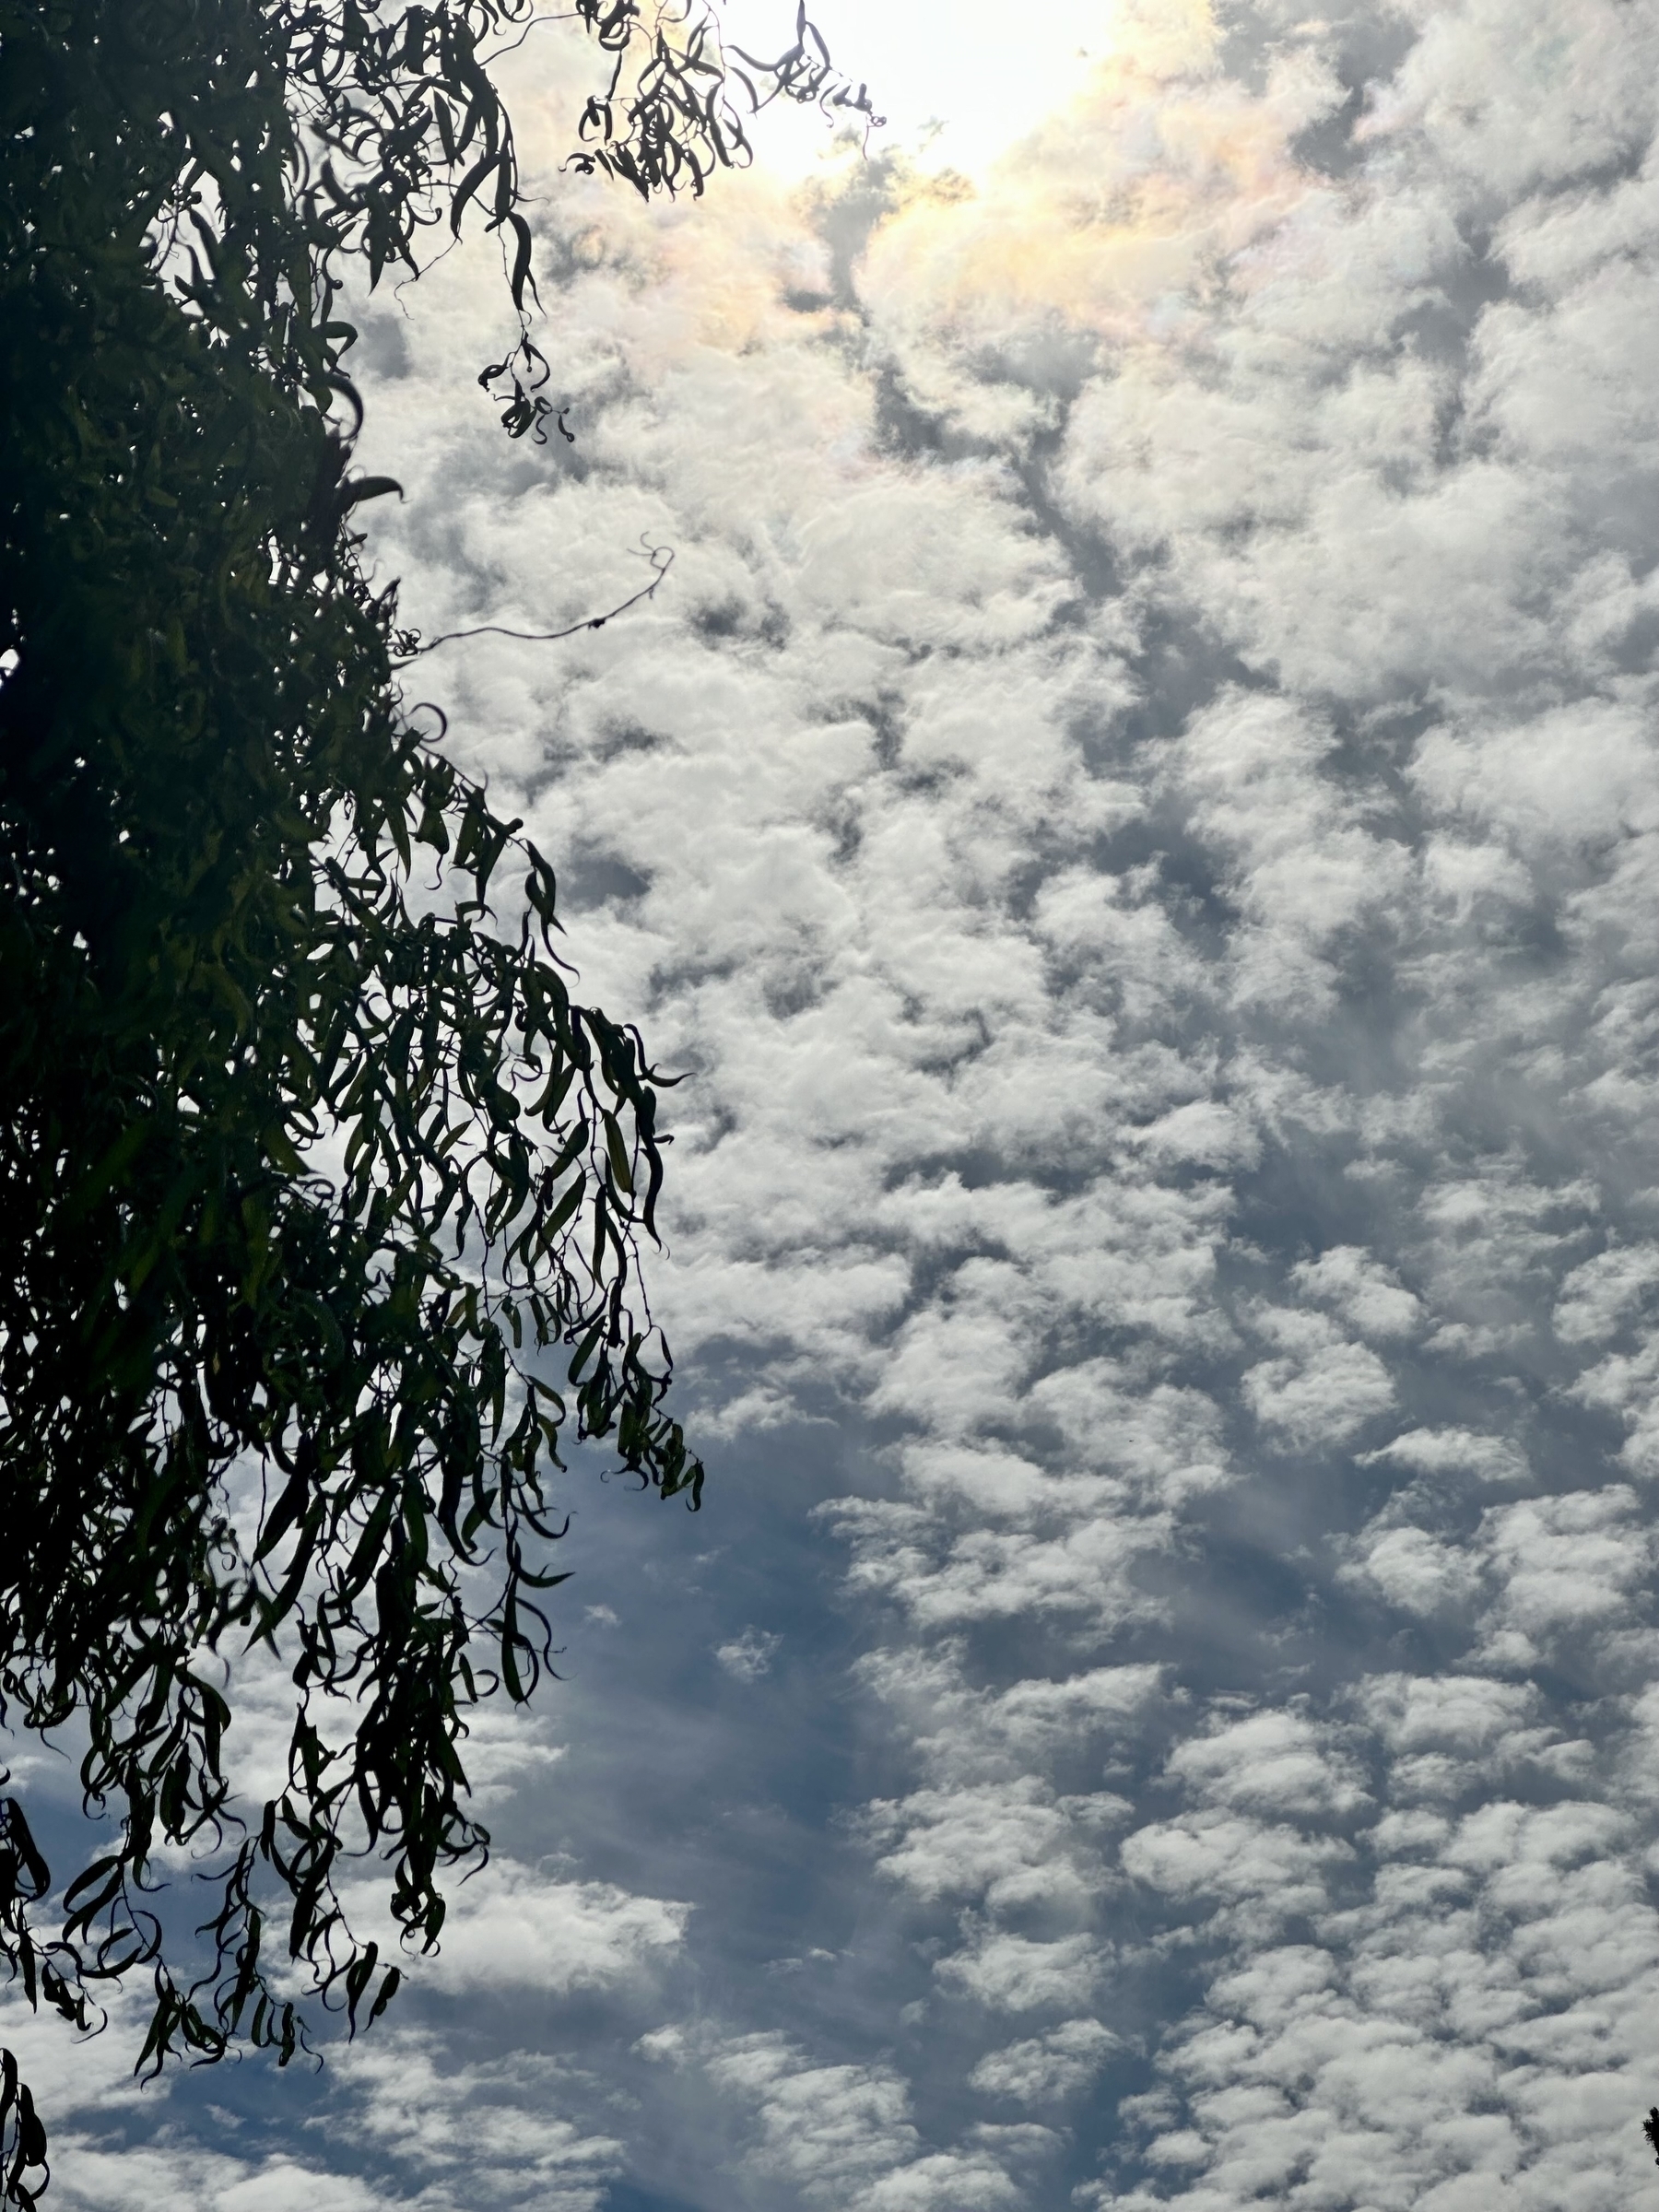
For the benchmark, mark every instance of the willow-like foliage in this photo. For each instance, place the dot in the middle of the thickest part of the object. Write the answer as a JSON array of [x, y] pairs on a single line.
[[320, 1193]]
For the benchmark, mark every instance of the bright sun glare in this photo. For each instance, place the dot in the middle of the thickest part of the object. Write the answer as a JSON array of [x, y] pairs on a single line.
[[956, 83]]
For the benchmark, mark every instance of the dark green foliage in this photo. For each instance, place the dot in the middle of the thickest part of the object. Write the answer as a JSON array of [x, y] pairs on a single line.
[[317, 1189]]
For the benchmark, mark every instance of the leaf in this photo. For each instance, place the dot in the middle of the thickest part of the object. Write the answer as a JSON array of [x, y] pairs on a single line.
[[367, 488], [285, 1512], [617, 1152], [469, 184], [521, 265]]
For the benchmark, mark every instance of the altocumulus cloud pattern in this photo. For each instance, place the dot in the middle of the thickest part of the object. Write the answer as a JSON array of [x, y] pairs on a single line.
[[1138, 813]]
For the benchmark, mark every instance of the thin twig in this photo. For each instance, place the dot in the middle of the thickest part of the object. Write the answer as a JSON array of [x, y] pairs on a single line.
[[661, 558]]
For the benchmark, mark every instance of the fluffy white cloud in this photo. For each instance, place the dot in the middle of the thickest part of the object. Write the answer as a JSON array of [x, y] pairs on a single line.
[[1412, 1568], [189, 2177], [1269, 1761], [1016, 1974], [1000, 1840], [1366, 1293], [510, 1926], [1046, 2069], [1264, 1873], [1600, 1298], [1321, 1388]]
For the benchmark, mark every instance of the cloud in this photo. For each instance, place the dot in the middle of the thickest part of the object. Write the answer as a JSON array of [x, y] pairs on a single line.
[[1452, 1452], [843, 2134], [1046, 2069], [1600, 1297], [1018, 1973], [1014, 1843], [1366, 1294], [191, 2178], [509, 1927], [1264, 1872], [750, 1656], [1412, 1568], [1568, 1563], [1467, 1713], [1322, 1387], [1269, 1761], [491, 2127]]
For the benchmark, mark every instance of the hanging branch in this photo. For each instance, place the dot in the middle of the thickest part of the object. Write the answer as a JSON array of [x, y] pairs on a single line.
[[299, 1172]]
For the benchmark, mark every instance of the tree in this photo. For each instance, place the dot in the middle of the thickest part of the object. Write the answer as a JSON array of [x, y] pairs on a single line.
[[320, 1194]]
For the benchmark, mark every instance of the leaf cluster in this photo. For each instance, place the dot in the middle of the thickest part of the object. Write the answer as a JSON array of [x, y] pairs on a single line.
[[675, 109]]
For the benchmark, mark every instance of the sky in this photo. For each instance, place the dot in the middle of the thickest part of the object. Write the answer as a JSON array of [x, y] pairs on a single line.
[[1135, 813]]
